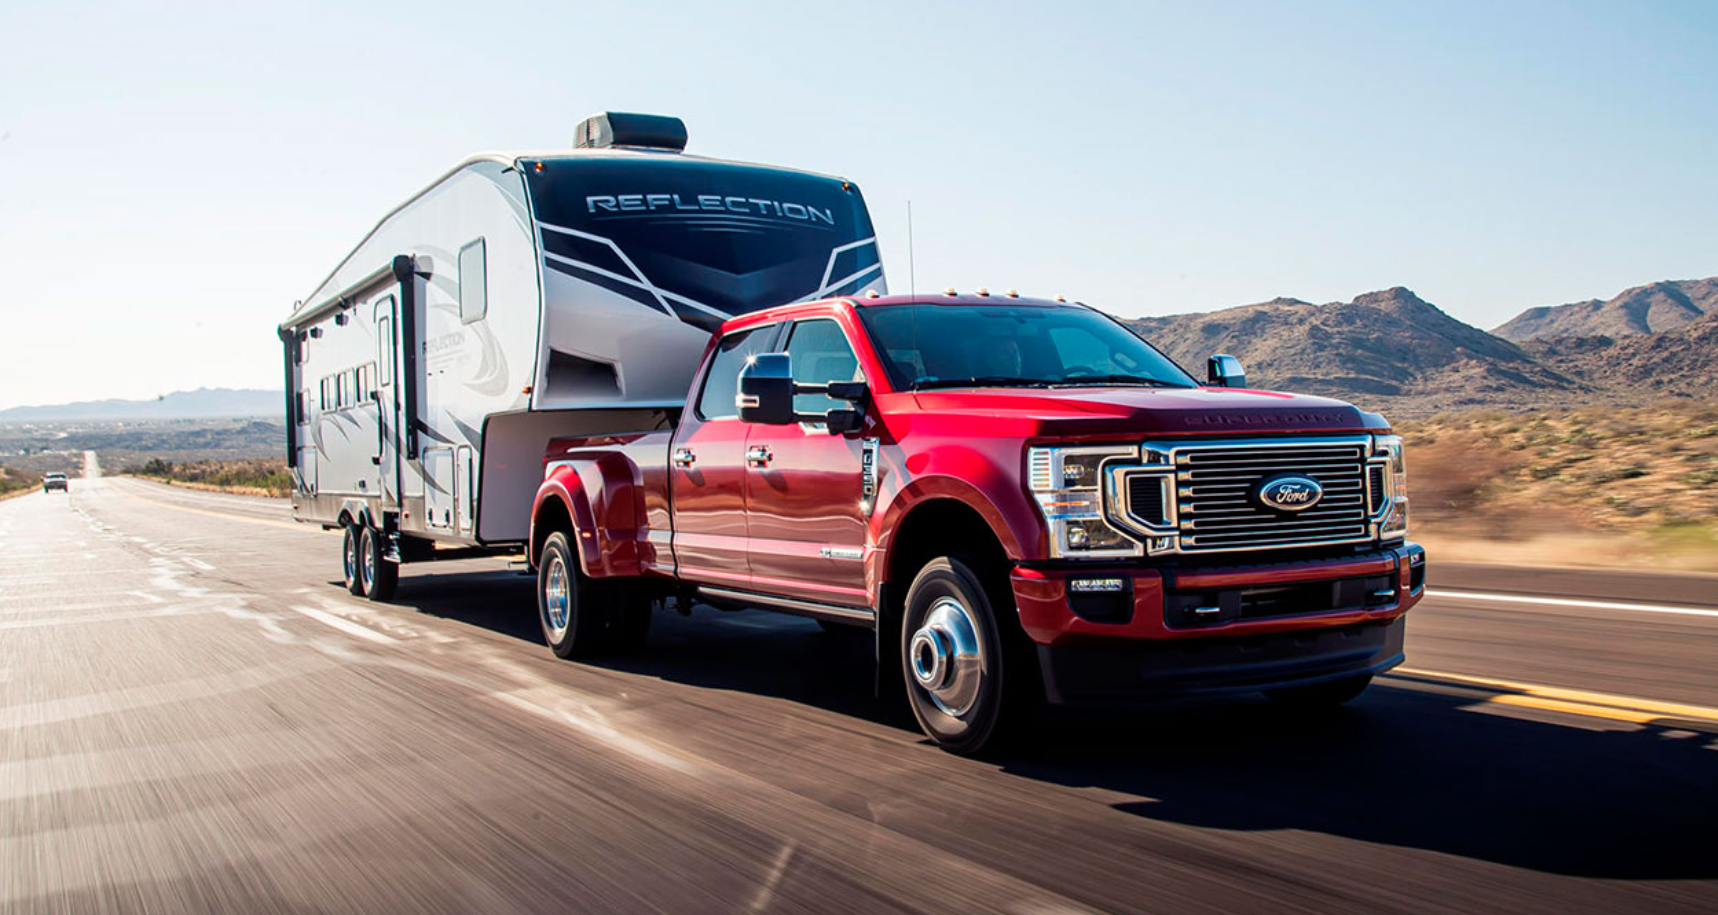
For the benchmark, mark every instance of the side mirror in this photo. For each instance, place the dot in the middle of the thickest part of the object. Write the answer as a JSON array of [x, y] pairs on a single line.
[[841, 422], [1225, 372], [766, 390]]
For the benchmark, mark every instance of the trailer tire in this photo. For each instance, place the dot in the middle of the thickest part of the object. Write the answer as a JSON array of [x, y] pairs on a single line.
[[379, 575], [350, 543], [574, 622], [1326, 695], [956, 660]]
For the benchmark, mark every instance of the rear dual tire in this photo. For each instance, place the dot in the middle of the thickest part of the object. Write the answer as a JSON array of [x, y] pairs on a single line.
[[583, 617]]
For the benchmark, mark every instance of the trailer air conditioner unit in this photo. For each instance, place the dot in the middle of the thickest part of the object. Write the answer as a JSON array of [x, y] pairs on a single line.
[[618, 128]]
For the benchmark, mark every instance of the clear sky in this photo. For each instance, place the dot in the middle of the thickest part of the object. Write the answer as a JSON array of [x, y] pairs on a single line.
[[173, 175]]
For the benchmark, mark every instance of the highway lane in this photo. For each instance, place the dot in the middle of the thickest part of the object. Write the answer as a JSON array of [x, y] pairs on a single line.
[[195, 718]]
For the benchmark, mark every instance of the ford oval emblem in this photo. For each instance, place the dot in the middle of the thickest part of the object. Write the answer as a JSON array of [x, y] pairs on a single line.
[[1290, 493]]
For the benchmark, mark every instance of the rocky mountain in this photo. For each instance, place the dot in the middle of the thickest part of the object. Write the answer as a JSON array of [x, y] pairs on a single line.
[[1682, 360], [203, 403], [1649, 309], [1384, 350]]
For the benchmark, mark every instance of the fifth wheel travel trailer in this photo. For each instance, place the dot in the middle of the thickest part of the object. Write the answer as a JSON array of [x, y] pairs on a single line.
[[528, 295]]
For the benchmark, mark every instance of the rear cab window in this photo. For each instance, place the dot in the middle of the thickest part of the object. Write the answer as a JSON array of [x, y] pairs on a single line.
[[722, 380]]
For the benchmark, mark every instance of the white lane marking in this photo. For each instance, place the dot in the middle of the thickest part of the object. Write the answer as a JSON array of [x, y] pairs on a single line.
[[196, 563], [345, 625], [1569, 602]]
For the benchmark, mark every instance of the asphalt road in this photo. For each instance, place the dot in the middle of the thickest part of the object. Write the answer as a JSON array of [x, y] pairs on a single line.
[[195, 718]]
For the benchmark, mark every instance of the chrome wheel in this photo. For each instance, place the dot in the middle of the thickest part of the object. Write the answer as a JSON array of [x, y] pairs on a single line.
[[557, 600], [367, 547], [946, 657], [349, 553]]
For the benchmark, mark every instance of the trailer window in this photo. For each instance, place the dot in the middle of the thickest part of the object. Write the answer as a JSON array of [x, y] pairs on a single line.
[[385, 346], [473, 283], [303, 407], [326, 401]]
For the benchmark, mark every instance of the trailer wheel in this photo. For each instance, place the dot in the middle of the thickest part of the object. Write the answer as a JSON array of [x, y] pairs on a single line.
[[379, 574], [349, 559], [1328, 694], [955, 659], [573, 620]]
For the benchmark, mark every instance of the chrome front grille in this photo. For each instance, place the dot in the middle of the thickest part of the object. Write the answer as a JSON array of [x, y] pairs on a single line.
[[1203, 496], [1216, 507]]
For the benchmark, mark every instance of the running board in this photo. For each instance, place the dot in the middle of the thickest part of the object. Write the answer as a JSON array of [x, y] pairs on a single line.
[[861, 615]]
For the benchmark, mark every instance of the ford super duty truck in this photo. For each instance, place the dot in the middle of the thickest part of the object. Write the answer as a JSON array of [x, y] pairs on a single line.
[[1024, 501]]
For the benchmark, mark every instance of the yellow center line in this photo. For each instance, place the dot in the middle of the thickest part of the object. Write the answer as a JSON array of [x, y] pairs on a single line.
[[1576, 701]]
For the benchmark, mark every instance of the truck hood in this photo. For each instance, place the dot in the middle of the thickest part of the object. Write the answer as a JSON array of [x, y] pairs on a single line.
[[1087, 411]]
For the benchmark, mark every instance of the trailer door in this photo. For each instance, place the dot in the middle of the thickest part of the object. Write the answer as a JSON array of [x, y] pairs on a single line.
[[388, 401]]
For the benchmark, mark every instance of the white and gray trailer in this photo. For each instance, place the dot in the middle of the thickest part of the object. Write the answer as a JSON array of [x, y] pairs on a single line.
[[526, 295]]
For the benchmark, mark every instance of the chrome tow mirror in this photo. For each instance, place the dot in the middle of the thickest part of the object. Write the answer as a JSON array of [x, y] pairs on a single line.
[[1224, 371]]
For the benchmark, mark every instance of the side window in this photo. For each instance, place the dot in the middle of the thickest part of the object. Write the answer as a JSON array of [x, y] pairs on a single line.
[[325, 402], [723, 380], [820, 354], [303, 407], [473, 283], [385, 346]]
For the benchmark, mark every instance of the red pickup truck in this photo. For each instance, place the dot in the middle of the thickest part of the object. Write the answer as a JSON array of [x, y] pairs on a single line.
[[1025, 501]]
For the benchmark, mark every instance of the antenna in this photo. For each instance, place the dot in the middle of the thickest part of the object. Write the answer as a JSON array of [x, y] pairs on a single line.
[[912, 268]]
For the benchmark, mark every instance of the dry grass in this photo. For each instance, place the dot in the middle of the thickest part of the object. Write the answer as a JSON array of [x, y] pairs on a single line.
[[1578, 487], [252, 477]]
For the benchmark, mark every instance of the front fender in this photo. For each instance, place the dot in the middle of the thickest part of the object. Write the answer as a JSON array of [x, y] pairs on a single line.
[[988, 483]]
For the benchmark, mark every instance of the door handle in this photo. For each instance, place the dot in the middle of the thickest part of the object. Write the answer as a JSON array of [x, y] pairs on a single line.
[[683, 457], [758, 456]]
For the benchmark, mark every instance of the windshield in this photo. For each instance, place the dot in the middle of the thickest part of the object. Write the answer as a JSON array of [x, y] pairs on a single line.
[[944, 346]]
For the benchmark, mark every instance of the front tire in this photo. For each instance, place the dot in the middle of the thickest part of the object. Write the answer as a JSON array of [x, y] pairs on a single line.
[[954, 659], [349, 559], [378, 574]]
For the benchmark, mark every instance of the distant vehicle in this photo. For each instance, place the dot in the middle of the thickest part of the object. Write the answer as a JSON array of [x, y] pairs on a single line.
[[529, 295], [1022, 500], [53, 481]]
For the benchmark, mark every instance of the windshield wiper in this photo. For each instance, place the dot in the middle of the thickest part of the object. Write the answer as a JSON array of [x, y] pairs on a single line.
[[982, 381], [1119, 379]]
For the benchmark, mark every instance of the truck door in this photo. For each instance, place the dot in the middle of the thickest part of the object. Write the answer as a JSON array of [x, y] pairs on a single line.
[[707, 470], [804, 486]]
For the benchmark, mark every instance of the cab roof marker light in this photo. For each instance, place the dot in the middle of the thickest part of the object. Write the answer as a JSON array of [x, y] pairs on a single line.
[[950, 291], [1014, 293], [983, 292]]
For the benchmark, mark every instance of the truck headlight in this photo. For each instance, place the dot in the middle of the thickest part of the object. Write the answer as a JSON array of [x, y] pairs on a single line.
[[1066, 483], [1395, 494]]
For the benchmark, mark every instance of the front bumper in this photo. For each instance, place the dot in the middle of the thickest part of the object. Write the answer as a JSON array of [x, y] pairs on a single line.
[[1179, 631]]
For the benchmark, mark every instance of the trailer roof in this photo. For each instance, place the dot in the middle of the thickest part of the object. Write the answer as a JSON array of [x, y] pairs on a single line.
[[314, 307]]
